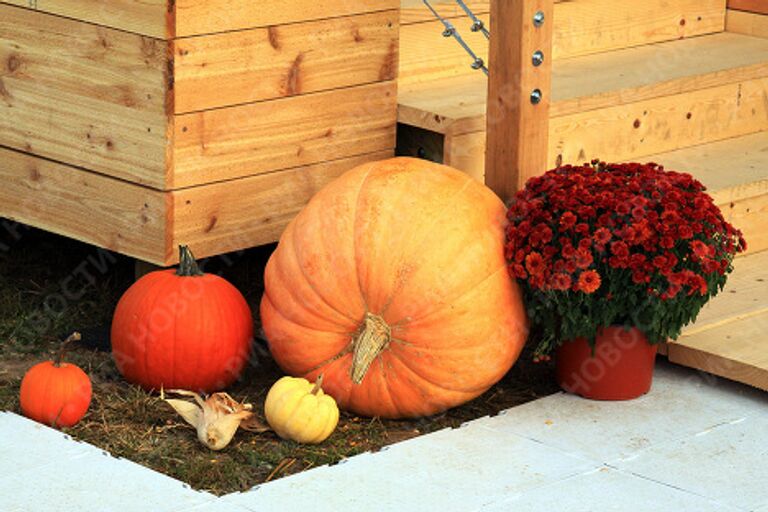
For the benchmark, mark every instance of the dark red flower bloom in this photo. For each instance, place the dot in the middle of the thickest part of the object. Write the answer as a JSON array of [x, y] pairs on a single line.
[[602, 236], [583, 258], [561, 281], [589, 281], [567, 221], [535, 264], [620, 249], [700, 249]]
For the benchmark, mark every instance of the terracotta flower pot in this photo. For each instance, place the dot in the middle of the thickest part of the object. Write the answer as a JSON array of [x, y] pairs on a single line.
[[621, 367]]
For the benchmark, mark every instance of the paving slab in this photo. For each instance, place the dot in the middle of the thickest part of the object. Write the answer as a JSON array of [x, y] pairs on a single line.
[[681, 403], [26, 444], [45, 471], [608, 490], [452, 470], [728, 463], [694, 443]]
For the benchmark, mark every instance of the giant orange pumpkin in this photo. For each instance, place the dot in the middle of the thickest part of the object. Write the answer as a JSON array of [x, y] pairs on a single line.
[[392, 283], [182, 329]]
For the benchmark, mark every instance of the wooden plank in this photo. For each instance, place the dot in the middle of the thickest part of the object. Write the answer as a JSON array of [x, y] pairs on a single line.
[[582, 27], [99, 210], [663, 124], [737, 351], [217, 145], [517, 128], [750, 215], [266, 63], [756, 6], [195, 17], [735, 172], [746, 23], [467, 153], [414, 11], [745, 295], [717, 113], [84, 95], [228, 216], [146, 17], [746, 157], [597, 81]]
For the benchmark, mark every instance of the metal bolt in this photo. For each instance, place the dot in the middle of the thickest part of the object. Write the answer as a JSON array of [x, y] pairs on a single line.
[[478, 64], [538, 58], [478, 25], [538, 19], [536, 96]]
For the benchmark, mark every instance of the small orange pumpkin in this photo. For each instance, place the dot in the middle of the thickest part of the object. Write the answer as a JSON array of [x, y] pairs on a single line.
[[182, 329], [392, 283], [56, 393]]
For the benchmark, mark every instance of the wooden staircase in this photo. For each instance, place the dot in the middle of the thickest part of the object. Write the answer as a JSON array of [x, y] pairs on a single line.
[[682, 83]]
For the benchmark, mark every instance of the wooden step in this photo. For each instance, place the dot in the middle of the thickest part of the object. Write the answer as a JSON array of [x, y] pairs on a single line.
[[581, 27], [735, 172], [730, 337], [620, 105]]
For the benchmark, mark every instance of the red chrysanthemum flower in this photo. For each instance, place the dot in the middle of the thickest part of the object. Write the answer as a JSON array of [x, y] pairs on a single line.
[[535, 264], [589, 281], [602, 236], [567, 221], [700, 249], [583, 258], [561, 281]]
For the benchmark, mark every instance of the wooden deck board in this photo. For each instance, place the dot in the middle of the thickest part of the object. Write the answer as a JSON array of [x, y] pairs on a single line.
[[581, 27], [737, 350], [736, 173], [592, 82]]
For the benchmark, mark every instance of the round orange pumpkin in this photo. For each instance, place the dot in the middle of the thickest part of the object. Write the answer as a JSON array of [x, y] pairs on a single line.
[[182, 329], [56, 393], [392, 283]]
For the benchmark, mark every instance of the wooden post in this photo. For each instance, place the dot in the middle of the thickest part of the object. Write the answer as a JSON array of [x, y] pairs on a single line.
[[518, 128]]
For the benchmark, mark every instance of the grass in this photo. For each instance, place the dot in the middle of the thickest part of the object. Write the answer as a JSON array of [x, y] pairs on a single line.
[[51, 286]]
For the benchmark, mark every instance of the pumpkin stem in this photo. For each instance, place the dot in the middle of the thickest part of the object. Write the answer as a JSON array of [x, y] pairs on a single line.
[[187, 265], [318, 385], [75, 336], [373, 337]]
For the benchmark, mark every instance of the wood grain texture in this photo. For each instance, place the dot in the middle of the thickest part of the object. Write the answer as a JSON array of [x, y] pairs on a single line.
[[517, 129], [642, 130], [735, 172], [582, 27], [195, 17], [233, 215], [597, 81], [756, 6], [730, 336], [145, 17], [99, 210], [737, 351], [663, 124], [745, 295], [222, 144], [746, 23], [279, 61], [466, 152], [82, 94]]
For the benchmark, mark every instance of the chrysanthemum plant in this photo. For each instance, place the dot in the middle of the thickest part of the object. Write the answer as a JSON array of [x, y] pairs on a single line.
[[616, 244]]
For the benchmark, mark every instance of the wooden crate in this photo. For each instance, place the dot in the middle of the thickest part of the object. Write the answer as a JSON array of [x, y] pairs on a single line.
[[139, 125]]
